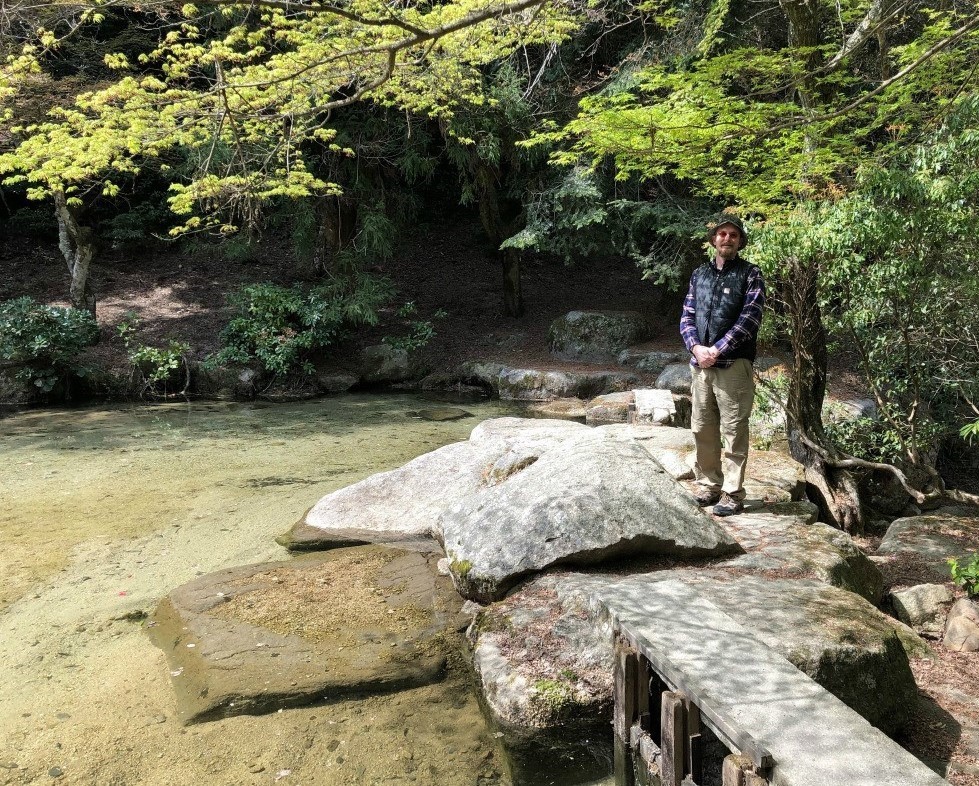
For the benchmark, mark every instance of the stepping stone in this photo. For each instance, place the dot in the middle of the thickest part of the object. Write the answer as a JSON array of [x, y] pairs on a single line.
[[654, 407]]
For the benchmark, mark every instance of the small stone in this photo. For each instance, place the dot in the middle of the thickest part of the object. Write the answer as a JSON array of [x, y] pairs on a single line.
[[256, 767], [332, 745], [56, 772]]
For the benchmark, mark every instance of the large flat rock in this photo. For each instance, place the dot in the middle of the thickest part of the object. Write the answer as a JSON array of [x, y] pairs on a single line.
[[259, 638], [539, 384], [406, 502], [786, 540], [594, 498], [932, 539], [771, 476]]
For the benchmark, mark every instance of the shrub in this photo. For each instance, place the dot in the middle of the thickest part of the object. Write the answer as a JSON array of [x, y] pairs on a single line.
[[156, 366], [41, 343], [966, 576], [280, 327]]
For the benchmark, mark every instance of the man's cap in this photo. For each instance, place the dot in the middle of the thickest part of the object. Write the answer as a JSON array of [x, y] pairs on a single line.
[[721, 220]]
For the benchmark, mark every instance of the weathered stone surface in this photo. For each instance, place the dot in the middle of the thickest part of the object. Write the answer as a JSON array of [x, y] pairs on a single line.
[[441, 414], [259, 638], [932, 539], [551, 626], [384, 364], [406, 502], [787, 540], [609, 408], [962, 630], [534, 384], [569, 408], [813, 737], [595, 335], [772, 477], [594, 498], [923, 607], [649, 361], [335, 382], [654, 407], [675, 378]]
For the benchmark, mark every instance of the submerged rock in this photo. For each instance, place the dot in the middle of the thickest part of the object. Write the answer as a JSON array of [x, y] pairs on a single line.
[[258, 638]]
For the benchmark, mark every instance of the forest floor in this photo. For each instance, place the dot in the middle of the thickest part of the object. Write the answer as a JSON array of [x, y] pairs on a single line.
[[450, 267]]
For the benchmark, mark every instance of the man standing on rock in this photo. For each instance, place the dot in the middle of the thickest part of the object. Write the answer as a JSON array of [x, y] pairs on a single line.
[[721, 316]]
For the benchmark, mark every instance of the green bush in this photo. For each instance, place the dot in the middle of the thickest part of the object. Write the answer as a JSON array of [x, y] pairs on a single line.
[[156, 366], [966, 576], [41, 344], [280, 327]]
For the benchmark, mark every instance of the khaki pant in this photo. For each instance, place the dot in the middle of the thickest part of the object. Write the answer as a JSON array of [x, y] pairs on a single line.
[[722, 399]]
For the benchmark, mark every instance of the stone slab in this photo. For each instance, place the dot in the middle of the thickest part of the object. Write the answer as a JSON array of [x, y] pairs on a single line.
[[814, 738], [654, 406]]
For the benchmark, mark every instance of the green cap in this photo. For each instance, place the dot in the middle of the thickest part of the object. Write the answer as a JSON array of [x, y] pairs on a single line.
[[721, 220]]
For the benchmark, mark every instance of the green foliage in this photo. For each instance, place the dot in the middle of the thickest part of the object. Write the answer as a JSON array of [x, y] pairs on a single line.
[[280, 327], [420, 331], [966, 576], [899, 283], [970, 430], [157, 366], [42, 343]]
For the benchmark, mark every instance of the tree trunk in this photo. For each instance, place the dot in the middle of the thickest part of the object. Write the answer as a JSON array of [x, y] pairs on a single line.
[[833, 490], [512, 296], [496, 230], [77, 244], [336, 226]]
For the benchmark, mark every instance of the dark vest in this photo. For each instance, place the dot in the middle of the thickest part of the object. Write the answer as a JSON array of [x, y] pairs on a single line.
[[718, 299]]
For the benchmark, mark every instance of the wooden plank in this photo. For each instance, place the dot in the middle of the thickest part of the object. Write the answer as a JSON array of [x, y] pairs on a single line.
[[646, 756], [626, 688], [645, 674], [733, 770], [624, 772], [671, 744], [693, 741]]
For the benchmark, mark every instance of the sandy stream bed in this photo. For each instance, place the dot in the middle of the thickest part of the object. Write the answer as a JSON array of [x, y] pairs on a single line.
[[85, 698]]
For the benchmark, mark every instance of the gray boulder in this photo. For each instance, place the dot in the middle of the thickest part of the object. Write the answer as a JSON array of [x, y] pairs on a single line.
[[930, 540], [787, 541], [772, 477], [569, 408], [385, 364], [675, 378], [654, 407], [535, 384], [923, 607], [593, 499], [649, 361], [962, 630], [405, 503], [549, 638], [595, 335]]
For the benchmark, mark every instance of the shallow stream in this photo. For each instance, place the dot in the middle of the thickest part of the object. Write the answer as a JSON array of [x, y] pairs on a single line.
[[106, 509]]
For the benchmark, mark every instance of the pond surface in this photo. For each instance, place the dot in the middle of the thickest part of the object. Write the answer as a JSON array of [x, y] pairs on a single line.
[[103, 510], [69, 475]]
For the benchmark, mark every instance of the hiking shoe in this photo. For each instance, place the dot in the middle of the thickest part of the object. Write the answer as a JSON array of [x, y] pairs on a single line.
[[728, 506], [707, 496]]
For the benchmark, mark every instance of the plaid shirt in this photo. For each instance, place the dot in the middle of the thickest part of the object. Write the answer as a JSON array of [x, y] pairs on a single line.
[[744, 329]]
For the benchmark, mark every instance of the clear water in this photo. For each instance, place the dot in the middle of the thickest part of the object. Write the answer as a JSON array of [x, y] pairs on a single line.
[[69, 475], [103, 510]]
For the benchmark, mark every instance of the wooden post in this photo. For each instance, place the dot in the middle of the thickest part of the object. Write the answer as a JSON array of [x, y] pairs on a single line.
[[626, 689], [625, 773], [693, 741], [671, 745], [733, 770]]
